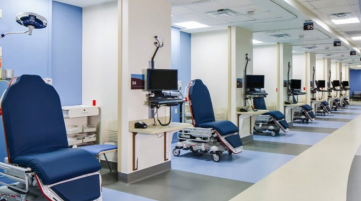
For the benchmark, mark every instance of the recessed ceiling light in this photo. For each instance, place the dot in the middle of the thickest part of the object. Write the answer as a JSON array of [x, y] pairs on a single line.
[[256, 42], [356, 38], [191, 25], [347, 21]]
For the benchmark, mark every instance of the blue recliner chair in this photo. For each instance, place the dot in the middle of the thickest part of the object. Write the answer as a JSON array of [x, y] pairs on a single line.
[[325, 106], [37, 145], [271, 122], [208, 134]]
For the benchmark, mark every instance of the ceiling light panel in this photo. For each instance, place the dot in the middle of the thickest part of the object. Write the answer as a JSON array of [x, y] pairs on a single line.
[[346, 21], [190, 25]]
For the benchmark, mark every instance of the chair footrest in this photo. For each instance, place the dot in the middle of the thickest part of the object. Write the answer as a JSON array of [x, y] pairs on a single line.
[[83, 189]]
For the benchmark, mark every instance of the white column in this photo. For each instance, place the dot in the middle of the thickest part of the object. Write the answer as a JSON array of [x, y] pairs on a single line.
[[137, 47]]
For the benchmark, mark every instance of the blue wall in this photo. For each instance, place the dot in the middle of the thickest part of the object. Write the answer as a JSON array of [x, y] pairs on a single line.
[[181, 60], [66, 68], [54, 52], [355, 81]]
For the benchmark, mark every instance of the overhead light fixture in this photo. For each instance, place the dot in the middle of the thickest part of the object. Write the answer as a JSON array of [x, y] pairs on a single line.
[[191, 25], [356, 38], [346, 21], [256, 42]]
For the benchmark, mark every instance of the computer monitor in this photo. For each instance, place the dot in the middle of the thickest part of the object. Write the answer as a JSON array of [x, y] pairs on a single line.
[[255, 81], [345, 83], [321, 83], [336, 83], [296, 84], [162, 79]]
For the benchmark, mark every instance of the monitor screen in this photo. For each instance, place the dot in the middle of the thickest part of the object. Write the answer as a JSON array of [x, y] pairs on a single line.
[[255, 81], [321, 83], [295, 84], [336, 83], [162, 79], [345, 83]]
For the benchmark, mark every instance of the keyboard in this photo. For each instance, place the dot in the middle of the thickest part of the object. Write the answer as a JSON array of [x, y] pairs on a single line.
[[256, 93], [299, 93], [165, 101]]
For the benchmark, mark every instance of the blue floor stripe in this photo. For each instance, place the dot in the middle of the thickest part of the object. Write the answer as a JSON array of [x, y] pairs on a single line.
[[293, 137], [249, 166], [113, 195], [321, 124]]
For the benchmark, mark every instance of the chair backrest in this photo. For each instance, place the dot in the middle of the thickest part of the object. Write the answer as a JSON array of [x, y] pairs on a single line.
[[32, 117], [201, 107], [259, 103]]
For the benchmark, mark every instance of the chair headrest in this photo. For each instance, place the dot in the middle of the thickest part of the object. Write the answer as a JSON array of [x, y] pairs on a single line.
[[33, 118], [202, 108]]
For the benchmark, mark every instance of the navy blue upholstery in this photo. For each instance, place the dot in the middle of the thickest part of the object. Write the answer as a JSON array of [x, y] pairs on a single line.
[[34, 105], [202, 110], [234, 140], [36, 135], [259, 103], [59, 165], [84, 189], [276, 114], [284, 124], [325, 103], [202, 107], [223, 127], [312, 114], [306, 107], [96, 149]]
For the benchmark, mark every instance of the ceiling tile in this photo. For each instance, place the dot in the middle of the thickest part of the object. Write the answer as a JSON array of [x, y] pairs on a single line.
[[213, 21], [329, 3], [181, 10], [236, 19], [340, 9], [245, 9], [235, 3], [195, 16], [204, 7]]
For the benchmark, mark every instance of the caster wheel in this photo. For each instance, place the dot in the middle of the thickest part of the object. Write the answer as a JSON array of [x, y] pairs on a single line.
[[307, 120], [273, 133], [176, 152], [216, 157], [229, 152]]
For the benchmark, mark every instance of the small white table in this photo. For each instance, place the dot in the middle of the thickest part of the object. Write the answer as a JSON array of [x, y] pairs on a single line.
[[288, 111], [154, 130], [314, 104], [247, 128]]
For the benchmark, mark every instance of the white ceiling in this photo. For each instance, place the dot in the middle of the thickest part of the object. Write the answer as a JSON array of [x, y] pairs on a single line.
[[274, 17], [84, 3]]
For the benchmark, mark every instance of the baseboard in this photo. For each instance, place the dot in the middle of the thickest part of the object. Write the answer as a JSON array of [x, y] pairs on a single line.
[[145, 173], [247, 139]]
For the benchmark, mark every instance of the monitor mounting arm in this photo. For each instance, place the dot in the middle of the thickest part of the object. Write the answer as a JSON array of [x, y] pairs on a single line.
[[313, 88], [245, 79], [158, 44]]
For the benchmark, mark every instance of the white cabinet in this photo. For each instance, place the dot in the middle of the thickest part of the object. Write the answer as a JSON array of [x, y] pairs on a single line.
[[82, 123]]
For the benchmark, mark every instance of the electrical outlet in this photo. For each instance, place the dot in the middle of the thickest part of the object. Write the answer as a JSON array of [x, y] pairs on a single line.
[[176, 111], [1, 13], [179, 85]]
